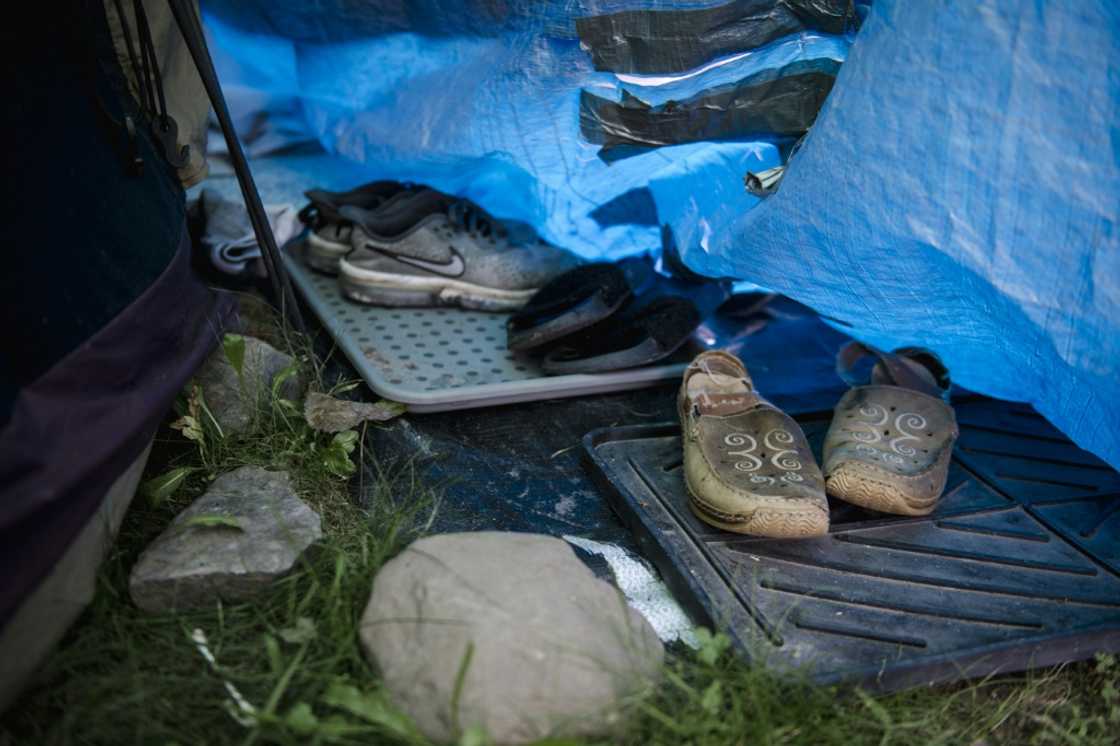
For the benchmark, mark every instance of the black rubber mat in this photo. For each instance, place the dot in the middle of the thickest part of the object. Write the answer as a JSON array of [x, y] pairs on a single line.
[[1017, 567]]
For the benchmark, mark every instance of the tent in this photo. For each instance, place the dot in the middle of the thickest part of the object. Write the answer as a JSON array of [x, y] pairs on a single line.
[[957, 189], [105, 321]]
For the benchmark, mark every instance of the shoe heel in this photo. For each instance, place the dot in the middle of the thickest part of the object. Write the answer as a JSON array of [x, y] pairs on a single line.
[[321, 256], [326, 266]]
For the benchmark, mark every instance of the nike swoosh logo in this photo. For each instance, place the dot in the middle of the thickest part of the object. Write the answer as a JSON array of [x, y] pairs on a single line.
[[453, 267]]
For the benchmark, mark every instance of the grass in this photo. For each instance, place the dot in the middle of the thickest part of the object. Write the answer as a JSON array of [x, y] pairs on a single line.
[[293, 660], [717, 700]]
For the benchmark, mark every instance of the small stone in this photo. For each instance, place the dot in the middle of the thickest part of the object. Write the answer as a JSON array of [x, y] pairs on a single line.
[[256, 317], [330, 415], [549, 649], [249, 529], [233, 399]]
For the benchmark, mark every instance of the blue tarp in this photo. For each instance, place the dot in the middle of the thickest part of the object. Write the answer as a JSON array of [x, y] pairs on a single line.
[[959, 190], [493, 115]]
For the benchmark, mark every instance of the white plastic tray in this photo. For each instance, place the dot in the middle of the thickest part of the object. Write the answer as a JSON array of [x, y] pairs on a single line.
[[441, 359]]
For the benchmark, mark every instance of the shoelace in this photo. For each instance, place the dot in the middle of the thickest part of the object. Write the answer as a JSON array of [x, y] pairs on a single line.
[[475, 222], [312, 216]]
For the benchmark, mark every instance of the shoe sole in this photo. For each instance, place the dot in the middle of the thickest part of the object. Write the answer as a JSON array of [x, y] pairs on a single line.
[[771, 524], [847, 483], [385, 289], [587, 312], [322, 255]]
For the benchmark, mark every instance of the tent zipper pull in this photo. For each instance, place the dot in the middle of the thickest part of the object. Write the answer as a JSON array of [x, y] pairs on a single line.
[[166, 132], [135, 160]]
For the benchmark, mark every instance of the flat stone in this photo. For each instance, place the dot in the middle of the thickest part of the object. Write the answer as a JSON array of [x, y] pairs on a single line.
[[246, 531], [233, 399], [552, 649], [330, 415]]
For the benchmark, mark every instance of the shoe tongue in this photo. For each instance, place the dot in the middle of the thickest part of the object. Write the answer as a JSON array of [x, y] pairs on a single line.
[[412, 210], [400, 215]]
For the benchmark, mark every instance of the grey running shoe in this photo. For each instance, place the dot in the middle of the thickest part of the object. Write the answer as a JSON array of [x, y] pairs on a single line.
[[455, 255], [329, 237]]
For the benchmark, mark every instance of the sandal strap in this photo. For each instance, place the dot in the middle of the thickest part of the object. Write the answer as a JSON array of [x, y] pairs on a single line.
[[897, 367], [718, 361]]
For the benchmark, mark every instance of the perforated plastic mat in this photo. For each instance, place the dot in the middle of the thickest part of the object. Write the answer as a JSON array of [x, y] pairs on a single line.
[[1017, 567], [440, 359]]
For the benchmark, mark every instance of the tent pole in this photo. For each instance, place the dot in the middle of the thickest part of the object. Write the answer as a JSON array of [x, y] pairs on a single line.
[[189, 27]]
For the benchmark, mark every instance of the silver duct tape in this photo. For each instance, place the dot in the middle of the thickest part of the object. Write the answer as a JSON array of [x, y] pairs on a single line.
[[764, 183]]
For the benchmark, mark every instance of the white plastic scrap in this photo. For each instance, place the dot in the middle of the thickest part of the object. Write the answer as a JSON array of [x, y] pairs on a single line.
[[241, 709], [643, 590]]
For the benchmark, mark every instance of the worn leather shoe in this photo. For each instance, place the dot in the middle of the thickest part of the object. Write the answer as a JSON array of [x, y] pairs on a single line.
[[747, 465], [890, 442]]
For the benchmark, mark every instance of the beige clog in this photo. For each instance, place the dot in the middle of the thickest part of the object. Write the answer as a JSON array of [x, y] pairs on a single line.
[[890, 442], [747, 465]]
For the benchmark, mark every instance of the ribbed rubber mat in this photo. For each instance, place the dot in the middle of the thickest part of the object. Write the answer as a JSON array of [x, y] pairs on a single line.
[[1016, 568]]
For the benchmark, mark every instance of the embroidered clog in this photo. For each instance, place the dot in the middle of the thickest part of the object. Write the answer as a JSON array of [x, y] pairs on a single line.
[[747, 465], [890, 442]]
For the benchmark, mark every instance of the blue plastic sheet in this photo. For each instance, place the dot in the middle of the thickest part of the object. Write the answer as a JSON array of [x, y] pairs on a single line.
[[958, 191], [481, 99]]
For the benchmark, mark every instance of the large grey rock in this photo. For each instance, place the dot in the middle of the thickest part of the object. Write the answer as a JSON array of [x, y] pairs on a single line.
[[245, 532], [233, 399], [553, 648]]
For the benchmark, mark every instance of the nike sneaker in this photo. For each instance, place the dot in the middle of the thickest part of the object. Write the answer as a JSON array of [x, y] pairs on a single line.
[[431, 251], [329, 237]]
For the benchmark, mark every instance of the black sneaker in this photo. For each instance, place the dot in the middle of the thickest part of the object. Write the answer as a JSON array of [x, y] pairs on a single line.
[[329, 238]]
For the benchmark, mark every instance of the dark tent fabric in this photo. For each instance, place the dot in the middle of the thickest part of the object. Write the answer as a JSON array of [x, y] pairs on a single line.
[[104, 318], [958, 190]]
